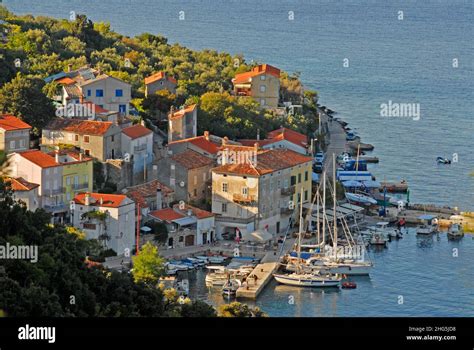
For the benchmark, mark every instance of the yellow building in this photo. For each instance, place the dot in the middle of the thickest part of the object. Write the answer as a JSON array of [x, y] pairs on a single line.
[[262, 194], [77, 174], [262, 83]]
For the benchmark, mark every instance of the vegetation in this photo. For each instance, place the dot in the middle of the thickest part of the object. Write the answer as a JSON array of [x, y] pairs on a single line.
[[148, 266], [45, 46], [237, 309], [60, 284]]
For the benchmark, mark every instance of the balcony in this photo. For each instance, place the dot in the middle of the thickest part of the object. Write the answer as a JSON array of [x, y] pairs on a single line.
[[289, 191], [81, 186], [55, 208], [228, 219], [244, 199], [243, 92], [52, 192]]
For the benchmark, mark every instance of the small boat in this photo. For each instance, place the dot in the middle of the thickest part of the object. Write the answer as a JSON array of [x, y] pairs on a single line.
[[203, 258], [360, 198], [195, 262], [441, 160], [349, 285], [216, 259], [182, 287], [455, 231], [230, 287], [396, 187], [308, 280], [378, 239], [177, 265], [429, 225]]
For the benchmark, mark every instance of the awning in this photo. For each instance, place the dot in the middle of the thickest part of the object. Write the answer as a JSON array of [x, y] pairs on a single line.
[[188, 220], [257, 236]]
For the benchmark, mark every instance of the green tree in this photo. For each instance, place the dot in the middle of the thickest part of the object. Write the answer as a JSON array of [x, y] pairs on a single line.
[[24, 98], [237, 309], [148, 266]]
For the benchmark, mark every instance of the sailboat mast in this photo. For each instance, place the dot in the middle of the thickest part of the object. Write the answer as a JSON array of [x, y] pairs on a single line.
[[317, 215], [324, 209], [300, 228], [335, 196]]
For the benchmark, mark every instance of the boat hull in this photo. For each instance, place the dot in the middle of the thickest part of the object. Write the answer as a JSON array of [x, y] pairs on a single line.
[[303, 282]]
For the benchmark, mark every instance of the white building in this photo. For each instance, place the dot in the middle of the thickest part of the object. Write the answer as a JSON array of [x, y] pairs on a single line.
[[109, 218], [137, 142]]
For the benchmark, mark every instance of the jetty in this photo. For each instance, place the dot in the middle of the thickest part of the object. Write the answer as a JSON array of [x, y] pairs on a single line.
[[360, 145]]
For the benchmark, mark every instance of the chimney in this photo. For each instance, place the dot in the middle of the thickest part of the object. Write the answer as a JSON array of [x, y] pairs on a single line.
[[80, 156], [190, 212], [225, 139], [87, 199], [56, 156], [159, 199], [206, 135]]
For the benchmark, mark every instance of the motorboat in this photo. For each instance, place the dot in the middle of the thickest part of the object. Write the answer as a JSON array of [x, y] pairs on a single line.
[[382, 226], [182, 287], [429, 225], [178, 266], [441, 160], [195, 261], [216, 259], [378, 238], [455, 231], [308, 279], [360, 198], [230, 287]]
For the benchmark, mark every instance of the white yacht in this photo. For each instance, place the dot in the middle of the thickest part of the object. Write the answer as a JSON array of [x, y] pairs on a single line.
[[429, 225]]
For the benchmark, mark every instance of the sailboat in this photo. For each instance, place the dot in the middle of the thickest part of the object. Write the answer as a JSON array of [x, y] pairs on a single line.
[[334, 261], [300, 278]]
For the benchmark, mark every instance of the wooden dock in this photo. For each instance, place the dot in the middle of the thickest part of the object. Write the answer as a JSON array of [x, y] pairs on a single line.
[[251, 289]]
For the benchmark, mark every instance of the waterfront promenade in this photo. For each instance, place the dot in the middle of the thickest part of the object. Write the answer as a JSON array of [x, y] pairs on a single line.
[[337, 141]]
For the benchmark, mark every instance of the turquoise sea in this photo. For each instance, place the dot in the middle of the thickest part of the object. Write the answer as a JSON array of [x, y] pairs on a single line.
[[409, 60]]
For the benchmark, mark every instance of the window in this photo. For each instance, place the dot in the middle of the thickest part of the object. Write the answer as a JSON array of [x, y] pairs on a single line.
[[76, 137], [299, 178], [224, 207], [122, 108], [99, 93], [181, 238], [118, 93], [22, 143], [305, 195], [195, 193], [12, 144], [68, 180], [262, 102], [89, 92], [87, 152], [263, 88], [225, 187], [245, 191], [86, 179], [86, 138], [279, 184], [306, 175], [68, 196], [112, 138], [263, 77], [293, 180]]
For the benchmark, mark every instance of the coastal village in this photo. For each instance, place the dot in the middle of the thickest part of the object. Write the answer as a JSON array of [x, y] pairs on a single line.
[[208, 199]]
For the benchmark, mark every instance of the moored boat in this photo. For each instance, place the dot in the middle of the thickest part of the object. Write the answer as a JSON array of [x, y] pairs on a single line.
[[455, 231]]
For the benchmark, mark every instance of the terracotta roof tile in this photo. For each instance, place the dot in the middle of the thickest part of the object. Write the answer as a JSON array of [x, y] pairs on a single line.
[[39, 158], [139, 193], [9, 122], [108, 200], [191, 159], [197, 212], [83, 127], [167, 214], [158, 76], [202, 143], [20, 184], [259, 70], [136, 131]]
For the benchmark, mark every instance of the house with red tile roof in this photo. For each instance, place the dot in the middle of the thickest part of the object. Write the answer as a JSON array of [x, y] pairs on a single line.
[[281, 138], [109, 218], [207, 145], [24, 191], [262, 83], [152, 195], [160, 81], [188, 173], [89, 84], [14, 134], [60, 175], [182, 124], [187, 225], [259, 195], [137, 146], [100, 140]]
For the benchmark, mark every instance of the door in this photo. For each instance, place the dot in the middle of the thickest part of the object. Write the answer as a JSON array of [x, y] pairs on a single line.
[[278, 227], [170, 242], [204, 238], [189, 240]]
